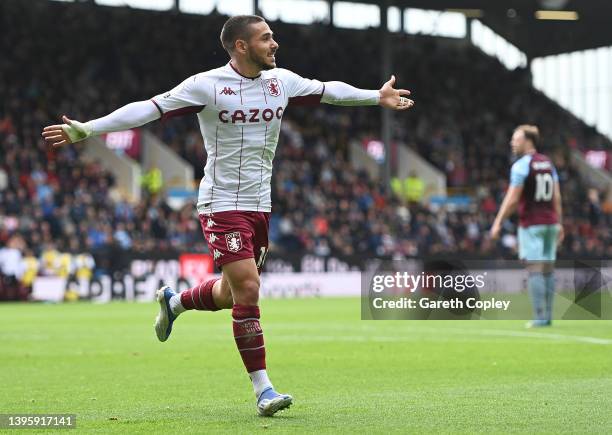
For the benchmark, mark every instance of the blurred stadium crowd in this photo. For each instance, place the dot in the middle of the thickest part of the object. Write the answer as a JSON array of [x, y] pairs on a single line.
[[101, 58]]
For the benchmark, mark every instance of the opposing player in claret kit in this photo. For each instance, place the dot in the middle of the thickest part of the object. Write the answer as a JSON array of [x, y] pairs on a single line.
[[239, 108], [534, 188]]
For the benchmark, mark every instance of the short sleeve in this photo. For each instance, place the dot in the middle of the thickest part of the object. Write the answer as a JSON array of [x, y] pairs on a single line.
[[519, 171], [299, 89], [191, 96]]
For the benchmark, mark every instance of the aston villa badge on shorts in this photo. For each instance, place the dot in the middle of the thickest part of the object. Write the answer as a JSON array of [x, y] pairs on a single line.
[[272, 87], [234, 242]]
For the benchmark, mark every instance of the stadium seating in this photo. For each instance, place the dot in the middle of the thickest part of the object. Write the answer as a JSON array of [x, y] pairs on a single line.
[[322, 205]]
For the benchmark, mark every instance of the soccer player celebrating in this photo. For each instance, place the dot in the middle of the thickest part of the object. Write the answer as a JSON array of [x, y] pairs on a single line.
[[534, 187], [239, 107]]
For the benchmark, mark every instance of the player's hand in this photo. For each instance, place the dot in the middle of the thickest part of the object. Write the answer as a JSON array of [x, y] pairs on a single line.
[[495, 231], [69, 132], [561, 235], [394, 98]]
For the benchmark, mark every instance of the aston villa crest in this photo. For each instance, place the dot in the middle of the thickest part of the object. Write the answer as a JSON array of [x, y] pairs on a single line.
[[273, 87], [234, 242]]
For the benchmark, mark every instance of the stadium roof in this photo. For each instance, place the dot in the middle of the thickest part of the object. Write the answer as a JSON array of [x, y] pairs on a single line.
[[515, 20], [589, 25]]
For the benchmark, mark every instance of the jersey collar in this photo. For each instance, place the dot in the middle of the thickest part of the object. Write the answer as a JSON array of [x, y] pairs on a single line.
[[238, 72]]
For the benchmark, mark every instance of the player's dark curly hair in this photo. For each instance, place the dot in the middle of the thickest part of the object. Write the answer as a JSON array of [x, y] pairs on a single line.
[[237, 28]]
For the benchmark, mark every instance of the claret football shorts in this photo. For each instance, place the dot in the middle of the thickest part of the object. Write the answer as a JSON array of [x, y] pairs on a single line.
[[236, 235]]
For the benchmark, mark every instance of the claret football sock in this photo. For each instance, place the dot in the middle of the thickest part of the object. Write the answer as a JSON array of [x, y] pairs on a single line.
[[199, 297], [249, 338]]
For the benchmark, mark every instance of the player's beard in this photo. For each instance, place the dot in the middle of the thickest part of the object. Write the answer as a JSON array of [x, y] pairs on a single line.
[[262, 62]]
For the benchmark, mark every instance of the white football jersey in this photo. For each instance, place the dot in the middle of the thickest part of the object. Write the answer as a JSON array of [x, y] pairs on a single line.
[[240, 121]]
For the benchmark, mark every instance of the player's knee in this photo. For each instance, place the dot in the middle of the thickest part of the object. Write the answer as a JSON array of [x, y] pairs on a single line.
[[247, 291]]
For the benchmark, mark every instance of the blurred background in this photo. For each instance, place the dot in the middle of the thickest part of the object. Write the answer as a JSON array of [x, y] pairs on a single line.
[[114, 216]]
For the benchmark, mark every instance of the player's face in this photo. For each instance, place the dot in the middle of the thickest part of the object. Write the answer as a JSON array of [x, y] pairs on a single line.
[[518, 142], [262, 46]]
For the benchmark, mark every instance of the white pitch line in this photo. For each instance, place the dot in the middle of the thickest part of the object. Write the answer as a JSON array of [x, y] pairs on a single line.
[[483, 332], [546, 336], [523, 334]]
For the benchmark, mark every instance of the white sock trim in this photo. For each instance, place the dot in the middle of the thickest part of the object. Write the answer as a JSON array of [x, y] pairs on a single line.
[[175, 304], [260, 380]]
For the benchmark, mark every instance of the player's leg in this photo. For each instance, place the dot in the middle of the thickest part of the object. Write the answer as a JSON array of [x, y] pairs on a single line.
[[243, 277], [536, 285], [531, 251], [210, 295], [550, 254], [244, 282], [548, 272]]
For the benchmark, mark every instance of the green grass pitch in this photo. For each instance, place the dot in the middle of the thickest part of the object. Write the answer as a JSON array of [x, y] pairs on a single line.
[[103, 363]]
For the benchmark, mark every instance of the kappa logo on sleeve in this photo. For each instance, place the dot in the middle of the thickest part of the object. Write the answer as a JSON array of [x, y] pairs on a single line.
[[234, 242], [273, 87]]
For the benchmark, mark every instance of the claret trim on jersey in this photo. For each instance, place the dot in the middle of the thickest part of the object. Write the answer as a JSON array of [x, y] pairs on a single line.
[[161, 113], [307, 100], [242, 75], [182, 111]]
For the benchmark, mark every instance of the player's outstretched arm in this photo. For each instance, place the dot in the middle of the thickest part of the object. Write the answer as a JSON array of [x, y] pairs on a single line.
[[343, 94], [129, 116]]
